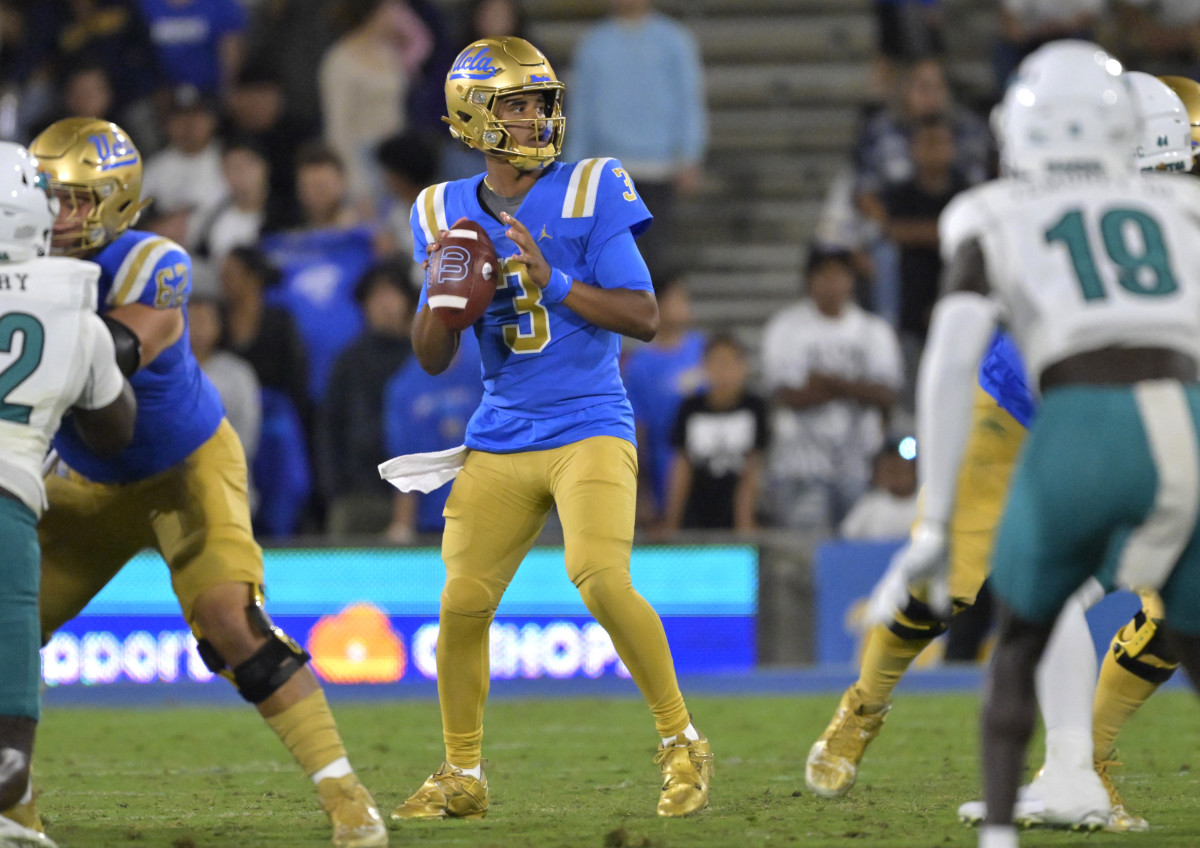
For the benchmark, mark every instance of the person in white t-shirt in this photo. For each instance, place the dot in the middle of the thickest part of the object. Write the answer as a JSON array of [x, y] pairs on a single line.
[[833, 370], [889, 508], [56, 357]]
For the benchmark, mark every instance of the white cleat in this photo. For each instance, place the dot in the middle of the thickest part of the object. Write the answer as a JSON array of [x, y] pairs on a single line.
[[1074, 800], [13, 835]]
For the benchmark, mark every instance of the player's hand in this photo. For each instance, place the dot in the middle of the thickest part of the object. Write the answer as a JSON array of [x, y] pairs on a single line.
[[920, 566], [530, 255]]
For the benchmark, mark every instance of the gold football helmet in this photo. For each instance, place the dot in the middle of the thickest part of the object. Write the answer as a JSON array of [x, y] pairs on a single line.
[[493, 68], [1189, 92], [96, 173]]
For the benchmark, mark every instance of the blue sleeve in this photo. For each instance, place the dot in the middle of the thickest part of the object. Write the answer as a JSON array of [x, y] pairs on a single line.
[[693, 126], [619, 265], [167, 284], [419, 248], [619, 208]]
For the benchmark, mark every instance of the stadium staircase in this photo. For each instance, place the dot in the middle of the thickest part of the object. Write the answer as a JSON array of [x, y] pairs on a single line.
[[786, 81]]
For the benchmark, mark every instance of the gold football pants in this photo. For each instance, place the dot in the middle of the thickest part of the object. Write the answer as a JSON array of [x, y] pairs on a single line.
[[195, 514], [495, 511]]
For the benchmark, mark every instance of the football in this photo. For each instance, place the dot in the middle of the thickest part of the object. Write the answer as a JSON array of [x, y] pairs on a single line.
[[462, 275]]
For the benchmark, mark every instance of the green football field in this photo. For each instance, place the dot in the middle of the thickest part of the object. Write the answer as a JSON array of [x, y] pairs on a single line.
[[572, 772]]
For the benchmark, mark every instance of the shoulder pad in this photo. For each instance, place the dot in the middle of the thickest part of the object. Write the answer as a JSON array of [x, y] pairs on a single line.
[[152, 258], [583, 187], [964, 218], [429, 212]]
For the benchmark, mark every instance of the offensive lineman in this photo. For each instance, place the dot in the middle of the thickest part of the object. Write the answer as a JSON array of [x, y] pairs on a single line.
[[180, 487], [554, 426], [56, 358]]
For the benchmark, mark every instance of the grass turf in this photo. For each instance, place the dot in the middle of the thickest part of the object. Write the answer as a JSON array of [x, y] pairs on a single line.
[[571, 772]]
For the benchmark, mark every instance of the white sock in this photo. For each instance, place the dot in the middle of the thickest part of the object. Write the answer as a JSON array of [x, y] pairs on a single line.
[[690, 733], [475, 771], [1066, 685], [338, 768], [998, 836]]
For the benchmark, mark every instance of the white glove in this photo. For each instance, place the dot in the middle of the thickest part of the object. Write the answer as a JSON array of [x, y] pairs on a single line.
[[921, 564]]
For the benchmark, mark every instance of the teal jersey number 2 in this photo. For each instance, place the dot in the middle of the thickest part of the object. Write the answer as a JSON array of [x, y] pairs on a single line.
[[18, 371], [1143, 268]]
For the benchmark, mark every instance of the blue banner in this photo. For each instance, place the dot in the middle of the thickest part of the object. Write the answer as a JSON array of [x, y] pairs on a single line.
[[370, 616]]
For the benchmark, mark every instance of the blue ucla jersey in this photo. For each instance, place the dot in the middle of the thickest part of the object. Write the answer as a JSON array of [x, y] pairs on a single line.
[[550, 378], [1002, 375], [178, 408]]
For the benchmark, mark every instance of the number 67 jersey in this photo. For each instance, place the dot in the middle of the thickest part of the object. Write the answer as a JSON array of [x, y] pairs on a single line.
[[550, 377], [1082, 263]]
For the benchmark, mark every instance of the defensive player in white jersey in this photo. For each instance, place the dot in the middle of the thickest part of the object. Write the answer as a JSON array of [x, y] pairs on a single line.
[[1092, 266], [56, 357]]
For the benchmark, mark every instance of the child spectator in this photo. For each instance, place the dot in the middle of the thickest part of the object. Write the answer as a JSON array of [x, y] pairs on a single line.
[[719, 438], [889, 509]]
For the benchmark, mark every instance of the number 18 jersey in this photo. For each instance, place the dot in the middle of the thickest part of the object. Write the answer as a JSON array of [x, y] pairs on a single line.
[[550, 377], [1084, 263]]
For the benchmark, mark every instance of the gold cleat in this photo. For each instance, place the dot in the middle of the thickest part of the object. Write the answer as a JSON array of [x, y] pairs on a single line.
[[687, 770], [352, 811], [832, 765], [449, 794], [1120, 820]]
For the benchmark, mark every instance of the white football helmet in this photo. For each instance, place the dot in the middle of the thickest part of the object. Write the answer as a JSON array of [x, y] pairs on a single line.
[[27, 208], [1068, 110], [1166, 140]]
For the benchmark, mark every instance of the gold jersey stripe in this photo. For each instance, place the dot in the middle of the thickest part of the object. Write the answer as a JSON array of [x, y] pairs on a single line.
[[130, 271], [581, 190]]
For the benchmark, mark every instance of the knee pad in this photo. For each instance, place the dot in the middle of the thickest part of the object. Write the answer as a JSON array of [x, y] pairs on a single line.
[[1140, 648], [469, 597], [268, 668], [917, 622]]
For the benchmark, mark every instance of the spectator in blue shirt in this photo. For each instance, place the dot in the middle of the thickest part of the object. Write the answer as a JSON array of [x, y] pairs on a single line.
[[199, 42], [637, 93], [424, 413], [658, 376]]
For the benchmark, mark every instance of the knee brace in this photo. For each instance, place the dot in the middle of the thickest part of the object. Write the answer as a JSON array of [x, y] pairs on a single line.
[[268, 668], [917, 622], [1140, 649]]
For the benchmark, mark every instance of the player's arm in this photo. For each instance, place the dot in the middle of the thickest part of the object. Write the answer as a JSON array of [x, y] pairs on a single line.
[[434, 344], [105, 411], [156, 329], [628, 311], [963, 323]]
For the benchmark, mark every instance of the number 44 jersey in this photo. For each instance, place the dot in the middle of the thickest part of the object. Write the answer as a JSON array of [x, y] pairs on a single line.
[[550, 377], [1081, 263]]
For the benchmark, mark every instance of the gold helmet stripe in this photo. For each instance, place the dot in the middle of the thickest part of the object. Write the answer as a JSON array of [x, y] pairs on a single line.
[[137, 268], [580, 201]]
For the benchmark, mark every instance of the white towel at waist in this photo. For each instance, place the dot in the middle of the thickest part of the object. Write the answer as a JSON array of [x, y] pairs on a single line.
[[424, 472]]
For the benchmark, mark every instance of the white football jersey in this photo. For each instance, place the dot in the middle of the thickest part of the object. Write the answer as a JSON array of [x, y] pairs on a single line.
[[1086, 263], [55, 353]]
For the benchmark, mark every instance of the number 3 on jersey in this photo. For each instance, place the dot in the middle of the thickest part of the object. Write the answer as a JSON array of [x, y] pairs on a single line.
[[1143, 266], [531, 332]]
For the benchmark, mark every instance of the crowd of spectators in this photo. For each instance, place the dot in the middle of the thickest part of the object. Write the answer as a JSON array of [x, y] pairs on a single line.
[[286, 140]]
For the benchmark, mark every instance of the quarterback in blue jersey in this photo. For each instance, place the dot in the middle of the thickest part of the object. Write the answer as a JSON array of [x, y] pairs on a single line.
[[180, 486], [554, 427]]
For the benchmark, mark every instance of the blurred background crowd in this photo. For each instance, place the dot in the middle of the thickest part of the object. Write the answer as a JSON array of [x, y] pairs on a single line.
[[796, 156]]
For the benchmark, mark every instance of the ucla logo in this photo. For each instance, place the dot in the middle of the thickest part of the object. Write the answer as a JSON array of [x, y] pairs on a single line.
[[113, 152], [475, 65]]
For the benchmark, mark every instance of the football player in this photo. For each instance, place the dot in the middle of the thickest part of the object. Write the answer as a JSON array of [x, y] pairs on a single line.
[[1065, 792], [1092, 266], [180, 487], [554, 427], [56, 356]]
